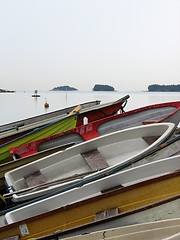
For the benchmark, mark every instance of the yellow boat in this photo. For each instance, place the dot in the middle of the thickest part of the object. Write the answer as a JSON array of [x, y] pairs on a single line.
[[50, 129], [109, 204]]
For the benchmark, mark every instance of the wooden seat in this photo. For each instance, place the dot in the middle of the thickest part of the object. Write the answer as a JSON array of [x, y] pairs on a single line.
[[95, 160], [150, 139], [34, 179]]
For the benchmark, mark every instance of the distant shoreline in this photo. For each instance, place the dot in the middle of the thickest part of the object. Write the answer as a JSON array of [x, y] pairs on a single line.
[[98, 87], [6, 91]]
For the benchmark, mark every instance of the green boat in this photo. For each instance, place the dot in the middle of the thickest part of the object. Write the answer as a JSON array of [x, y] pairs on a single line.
[[58, 126]]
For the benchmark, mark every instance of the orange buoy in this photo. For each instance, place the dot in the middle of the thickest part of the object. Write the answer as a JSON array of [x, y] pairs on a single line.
[[46, 105]]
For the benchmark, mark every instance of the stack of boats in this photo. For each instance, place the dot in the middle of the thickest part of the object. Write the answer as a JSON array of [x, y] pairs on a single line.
[[99, 170]]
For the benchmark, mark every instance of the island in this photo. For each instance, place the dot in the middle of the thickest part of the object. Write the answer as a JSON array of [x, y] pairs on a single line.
[[101, 87], [6, 91], [64, 88], [97, 87], [164, 88]]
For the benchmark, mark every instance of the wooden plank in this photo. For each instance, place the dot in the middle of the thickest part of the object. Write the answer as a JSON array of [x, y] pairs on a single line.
[[75, 110], [150, 139], [34, 179], [95, 160]]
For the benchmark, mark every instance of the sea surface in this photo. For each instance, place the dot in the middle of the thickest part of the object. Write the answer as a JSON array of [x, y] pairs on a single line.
[[21, 105]]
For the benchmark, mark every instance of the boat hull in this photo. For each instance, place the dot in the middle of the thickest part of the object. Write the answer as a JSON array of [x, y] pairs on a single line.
[[88, 211]]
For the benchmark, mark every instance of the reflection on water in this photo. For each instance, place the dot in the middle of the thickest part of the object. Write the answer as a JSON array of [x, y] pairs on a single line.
[[20, 105]]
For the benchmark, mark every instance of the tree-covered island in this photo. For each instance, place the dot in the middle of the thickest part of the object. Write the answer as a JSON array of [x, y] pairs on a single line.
[[100, 87], [97, 87], [6, 91], [164, 88], [64, 88]]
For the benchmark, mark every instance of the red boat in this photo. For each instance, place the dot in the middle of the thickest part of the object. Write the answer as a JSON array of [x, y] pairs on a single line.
[[164, 112]]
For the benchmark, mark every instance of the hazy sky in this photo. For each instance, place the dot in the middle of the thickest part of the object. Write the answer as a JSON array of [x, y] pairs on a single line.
[[128, 44]]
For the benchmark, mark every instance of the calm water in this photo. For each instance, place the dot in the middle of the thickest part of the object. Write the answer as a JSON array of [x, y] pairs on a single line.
[[20, 105]]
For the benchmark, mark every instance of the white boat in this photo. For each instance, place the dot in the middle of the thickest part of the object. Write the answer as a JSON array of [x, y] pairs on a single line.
[[162, 229], [65, 169], [97, 187], [167, 149], [108, 153]]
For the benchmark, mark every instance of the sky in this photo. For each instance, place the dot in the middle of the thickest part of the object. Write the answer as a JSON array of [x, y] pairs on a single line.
[[127, 44]]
